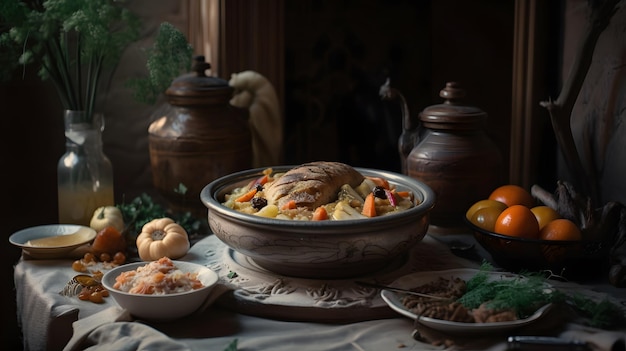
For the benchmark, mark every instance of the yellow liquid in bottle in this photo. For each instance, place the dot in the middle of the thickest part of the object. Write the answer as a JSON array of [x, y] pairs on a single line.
[[77, 205]]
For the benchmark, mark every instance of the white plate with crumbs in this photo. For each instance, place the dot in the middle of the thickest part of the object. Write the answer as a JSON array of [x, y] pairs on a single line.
[[53, 240], [410, 281]]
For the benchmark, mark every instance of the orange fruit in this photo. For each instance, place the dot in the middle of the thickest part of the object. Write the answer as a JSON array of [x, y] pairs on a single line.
[[561, 229], [511, 194], [486, 217], [545, 215], [483, 204], [519, 221]]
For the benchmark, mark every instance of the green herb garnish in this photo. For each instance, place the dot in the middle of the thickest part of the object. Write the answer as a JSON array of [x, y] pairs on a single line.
[[143, 209], [232, 346], [528, 292], [603, 314], [524, 294]]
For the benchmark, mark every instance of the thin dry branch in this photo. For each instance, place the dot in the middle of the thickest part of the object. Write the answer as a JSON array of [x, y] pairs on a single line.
[[561, 110]]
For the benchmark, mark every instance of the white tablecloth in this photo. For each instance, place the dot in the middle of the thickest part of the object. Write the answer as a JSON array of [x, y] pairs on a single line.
[[51, 321]]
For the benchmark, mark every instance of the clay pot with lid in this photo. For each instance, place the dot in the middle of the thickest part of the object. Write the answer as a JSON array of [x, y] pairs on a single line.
[[453, 155], [202, 139]]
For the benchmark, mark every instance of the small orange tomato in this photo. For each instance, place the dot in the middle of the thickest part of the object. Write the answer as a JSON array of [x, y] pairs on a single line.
[[511, 195], [561, 229], [519, 221], [486, 217], [544, 215], [482, 204]]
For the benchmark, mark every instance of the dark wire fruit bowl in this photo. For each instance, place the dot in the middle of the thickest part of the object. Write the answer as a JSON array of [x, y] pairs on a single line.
[[319, 249], [571, 259]]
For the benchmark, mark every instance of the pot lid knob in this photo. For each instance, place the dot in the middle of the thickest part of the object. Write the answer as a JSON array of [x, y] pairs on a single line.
[[452, 114], [452, 92], [200, 66], [196, 88]]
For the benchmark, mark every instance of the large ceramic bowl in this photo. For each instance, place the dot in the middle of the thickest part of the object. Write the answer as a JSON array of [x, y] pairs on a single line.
[[319, 249], [162, 307], [572, 259]]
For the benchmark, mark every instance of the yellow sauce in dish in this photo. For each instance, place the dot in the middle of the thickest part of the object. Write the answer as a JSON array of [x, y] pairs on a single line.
[[61, 240]]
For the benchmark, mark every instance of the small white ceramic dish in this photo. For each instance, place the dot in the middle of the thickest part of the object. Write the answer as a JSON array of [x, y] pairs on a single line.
[[394, 300], [52, 240], [162, 307]]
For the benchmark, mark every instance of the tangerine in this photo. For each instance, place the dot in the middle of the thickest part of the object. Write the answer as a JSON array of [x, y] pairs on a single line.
[[519, 221], [486, 217], [545, 215], [511, 194], [483, 204], [561, 229]]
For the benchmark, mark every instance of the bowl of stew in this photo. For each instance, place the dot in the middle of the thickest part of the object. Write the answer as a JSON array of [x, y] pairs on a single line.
[[346, 243]]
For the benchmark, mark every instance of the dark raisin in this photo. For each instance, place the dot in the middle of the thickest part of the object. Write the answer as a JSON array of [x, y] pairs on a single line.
[[258, 202], [379, 192], [259, 187]]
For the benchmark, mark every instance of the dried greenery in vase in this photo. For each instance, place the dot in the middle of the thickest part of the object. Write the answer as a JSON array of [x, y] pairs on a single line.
[[71, 42]]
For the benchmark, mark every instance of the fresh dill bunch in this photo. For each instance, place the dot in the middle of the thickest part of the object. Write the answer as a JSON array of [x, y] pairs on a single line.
[[170, 55], [481, 277], [529, 291], [523, 294], [603, 314]]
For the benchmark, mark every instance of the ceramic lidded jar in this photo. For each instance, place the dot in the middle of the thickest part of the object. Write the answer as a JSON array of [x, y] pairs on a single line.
[[455, 158], [200, 140]]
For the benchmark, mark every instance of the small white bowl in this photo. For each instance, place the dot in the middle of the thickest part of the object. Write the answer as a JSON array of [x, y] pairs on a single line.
[[60, 239], [162, 307]]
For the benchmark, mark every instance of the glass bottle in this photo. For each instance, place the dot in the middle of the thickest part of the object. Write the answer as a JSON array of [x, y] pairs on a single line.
[[84, 172]]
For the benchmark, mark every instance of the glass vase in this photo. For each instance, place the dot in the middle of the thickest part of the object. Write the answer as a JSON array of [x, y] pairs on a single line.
[[84, 172]]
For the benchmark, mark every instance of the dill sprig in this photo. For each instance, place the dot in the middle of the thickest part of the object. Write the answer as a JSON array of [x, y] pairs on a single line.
[[524, 294], [529, 291], [601, 314]]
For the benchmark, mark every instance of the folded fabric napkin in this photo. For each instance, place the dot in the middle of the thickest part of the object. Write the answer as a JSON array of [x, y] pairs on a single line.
[[112, 329], [115, 329]]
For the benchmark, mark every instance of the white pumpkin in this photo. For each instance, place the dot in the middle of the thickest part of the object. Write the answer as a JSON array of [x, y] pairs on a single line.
[[162, 237]]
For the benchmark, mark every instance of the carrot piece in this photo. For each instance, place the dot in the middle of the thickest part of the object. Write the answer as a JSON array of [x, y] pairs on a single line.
[[262, 180], [320, 214], [289, 205], [380, 182], [247, 196], [369, 206], [403, 193], [258, 181]]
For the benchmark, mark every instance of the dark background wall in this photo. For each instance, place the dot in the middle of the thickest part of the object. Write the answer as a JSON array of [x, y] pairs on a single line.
[[339, 53]]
